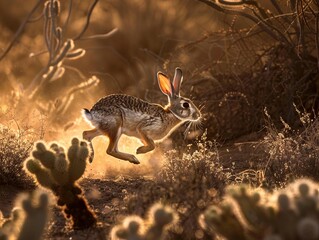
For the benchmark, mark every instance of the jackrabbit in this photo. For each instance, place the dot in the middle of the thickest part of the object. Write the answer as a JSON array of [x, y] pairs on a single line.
[[119, 114]]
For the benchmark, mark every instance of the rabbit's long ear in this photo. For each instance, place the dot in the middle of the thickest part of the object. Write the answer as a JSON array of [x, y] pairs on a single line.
[[165, 84], [177, 81]]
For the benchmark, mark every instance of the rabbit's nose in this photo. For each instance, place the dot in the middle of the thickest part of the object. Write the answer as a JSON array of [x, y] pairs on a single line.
[[195, 115]]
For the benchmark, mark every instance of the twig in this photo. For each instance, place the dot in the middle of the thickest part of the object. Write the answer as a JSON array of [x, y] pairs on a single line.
[[258, 7], [240, 13], [225, 2], [20, 30], [101, 36], [77, 71], [299, 28], [35, 19], [87, 20], [276, 5], [273, 28], [65, 25]]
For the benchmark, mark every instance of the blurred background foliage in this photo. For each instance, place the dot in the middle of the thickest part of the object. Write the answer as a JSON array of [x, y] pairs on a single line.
[[238, 58], [147, 32]]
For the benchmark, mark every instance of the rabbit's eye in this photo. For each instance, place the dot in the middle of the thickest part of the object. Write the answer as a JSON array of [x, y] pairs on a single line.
[[185, 105]]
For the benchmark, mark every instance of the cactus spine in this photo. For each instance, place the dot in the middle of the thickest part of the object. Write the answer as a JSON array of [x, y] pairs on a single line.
[[58, 172]]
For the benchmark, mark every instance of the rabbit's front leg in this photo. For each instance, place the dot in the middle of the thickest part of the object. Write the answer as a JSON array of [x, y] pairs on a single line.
[[149, 144]]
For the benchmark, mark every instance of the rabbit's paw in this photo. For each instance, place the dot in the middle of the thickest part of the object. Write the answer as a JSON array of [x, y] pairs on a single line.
[[144, 149], [134, 160]]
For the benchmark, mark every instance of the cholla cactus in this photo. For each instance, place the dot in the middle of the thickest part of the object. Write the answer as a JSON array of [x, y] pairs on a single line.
[[135, 228], [26, 221], [252, 214], [9, 227], [54, 170]]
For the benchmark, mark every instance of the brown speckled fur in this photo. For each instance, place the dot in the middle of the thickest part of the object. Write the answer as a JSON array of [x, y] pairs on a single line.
[[117, 106]]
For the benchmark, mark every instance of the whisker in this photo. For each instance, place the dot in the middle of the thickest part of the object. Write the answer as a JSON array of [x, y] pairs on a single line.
[[201, 107], [187, 130], [201, 104], [194, 125], [198, 124], [201, 127]]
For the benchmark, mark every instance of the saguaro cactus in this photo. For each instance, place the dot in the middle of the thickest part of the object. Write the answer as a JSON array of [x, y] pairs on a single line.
[[54, 170], [154, 228]]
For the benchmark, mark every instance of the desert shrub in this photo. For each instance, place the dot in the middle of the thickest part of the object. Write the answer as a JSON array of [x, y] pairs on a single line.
[[59, 172], [276, 156], [264, 56], [291, 213], [193, 180], [28, 219], [188, 181], [14, 149], [291, 153]]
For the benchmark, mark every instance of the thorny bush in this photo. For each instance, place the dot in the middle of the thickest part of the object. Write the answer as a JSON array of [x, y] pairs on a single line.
[[188, 182], [292, 153], [14, 149]]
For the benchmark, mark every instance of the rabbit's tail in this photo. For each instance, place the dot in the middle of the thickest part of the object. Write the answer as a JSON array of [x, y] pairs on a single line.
[[87, 115]]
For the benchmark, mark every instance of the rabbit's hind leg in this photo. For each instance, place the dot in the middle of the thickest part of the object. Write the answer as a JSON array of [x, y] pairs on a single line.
[[89, 135], [114, 136], [149, 144]]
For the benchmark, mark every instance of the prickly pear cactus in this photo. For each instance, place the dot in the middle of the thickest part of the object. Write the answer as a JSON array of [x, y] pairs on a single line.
[[154, 228], [246, 214], [58, 171], [28, 219]]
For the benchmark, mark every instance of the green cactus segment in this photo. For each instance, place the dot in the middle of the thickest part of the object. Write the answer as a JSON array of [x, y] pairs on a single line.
[[251, 212], [221, 220], [46, 157], [77, 155], [36, 218], [60, 171], [161, 217], [27, 220], [41, 174], [9, 227], [130, 229], [154, 228], [308, 228], [246, 214], [54, 170]]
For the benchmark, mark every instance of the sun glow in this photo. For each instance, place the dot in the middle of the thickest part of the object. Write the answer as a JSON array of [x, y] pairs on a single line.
[[104, 165]]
